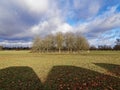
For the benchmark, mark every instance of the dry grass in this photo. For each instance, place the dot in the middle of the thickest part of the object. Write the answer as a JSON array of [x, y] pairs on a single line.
[[43, 64]]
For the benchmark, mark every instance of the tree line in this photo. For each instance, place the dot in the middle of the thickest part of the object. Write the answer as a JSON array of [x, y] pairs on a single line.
[[15, 48], [107, 47], [69, 42]]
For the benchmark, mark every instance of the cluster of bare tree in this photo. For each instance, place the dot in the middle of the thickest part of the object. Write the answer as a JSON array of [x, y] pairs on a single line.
[[60, 42]]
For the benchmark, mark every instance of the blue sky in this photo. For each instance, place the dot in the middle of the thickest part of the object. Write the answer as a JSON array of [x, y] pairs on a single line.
[[22, 20]]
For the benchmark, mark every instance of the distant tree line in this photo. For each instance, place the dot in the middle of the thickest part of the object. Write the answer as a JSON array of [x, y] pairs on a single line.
[[69, 42], [107, 47], [15, 48]]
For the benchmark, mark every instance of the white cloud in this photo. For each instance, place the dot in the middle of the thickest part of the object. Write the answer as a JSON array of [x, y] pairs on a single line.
[[80, 4], [65, 27], [52, 25], [107, 21], [7, 43], [87, 8], [96, 27], [94, 7], [37, 6], [101, 41], [34, 6]]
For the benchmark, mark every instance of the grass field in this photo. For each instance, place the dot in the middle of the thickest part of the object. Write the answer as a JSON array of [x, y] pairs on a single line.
[[96, 70]]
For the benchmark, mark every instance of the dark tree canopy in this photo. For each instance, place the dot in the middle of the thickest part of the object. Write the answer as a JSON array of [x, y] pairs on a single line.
[[117, 46]]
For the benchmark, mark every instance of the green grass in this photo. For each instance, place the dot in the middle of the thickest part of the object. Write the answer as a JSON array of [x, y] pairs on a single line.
[[22, 70]]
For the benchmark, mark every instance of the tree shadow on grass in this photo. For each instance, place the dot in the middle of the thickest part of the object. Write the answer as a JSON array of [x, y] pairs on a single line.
[[59, 78], [76, 78], [111, 68], [19, 78]]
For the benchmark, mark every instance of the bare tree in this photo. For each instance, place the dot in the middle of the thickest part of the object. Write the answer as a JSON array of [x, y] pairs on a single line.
[[69, 41], [59, 41], [93, 47], [117, 46], [37, 45], [49, 42], [81, 43], [117, 42], [1, 47]]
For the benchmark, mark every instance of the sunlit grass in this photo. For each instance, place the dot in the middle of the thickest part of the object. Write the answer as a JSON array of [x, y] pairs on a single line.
[[42, 64]]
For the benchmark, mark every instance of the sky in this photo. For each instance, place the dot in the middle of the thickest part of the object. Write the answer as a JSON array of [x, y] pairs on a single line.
[[22, 20]]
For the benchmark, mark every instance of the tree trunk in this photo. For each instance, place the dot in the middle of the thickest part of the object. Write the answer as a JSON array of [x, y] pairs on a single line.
[[68, 50], [71, 50], [59, 50], [47, 50]]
